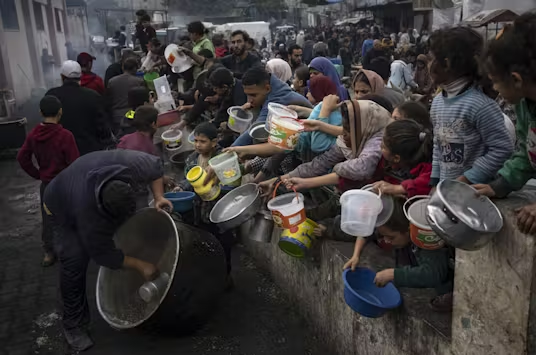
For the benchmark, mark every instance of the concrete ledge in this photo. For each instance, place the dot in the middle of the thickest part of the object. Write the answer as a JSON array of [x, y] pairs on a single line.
[[492, 312]]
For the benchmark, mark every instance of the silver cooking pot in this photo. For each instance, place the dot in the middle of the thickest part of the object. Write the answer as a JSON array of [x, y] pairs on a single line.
[[261, 231], [236, 207], [461, 218]]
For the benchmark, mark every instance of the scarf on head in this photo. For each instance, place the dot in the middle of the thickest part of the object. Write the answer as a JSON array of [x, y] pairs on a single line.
[[366, 119], [321, 86], [325, 67], [375, 81], [280, 69]]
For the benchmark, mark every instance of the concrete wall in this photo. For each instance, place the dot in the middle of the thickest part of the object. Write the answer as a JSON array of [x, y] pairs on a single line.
[[491, 314], [77, 23]]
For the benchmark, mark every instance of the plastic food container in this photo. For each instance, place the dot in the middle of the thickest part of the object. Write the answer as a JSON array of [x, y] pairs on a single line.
[[387, 207], [288, 209], [359, 211], [181, 201], [172, 138], [278, 110], [285, 132], [239, 119], [364, 297], [227, 168], [191, 138], [297, 241]]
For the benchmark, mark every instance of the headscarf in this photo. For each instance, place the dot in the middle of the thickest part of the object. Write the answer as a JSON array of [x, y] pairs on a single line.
[[366, 119], [375, 81], [325, 66], [280, 69], [321, 86]]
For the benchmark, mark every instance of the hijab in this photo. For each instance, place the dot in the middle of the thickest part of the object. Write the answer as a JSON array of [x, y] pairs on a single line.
[[366, 119], [375, 81], [280, 69], [325, 66], [321, 86]]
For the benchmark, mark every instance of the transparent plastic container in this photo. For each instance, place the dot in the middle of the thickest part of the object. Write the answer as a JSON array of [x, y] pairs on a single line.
[[227, 168], [359, 211], [162, 88], [278, 110], [239, 119]]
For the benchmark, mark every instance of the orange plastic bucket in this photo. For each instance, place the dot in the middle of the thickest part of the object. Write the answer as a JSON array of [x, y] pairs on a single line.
[[287, 210], [420, 233], [285, 132]]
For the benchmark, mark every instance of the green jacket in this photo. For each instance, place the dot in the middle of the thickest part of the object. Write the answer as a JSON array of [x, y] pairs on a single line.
[[432, 271], [521, 166], [204, 43]]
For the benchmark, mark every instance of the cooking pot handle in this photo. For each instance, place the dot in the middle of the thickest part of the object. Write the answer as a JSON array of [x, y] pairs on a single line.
[[450, 215], [276, 189]]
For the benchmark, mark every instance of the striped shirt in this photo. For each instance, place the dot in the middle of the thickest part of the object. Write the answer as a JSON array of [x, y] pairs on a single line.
[[470, 137]]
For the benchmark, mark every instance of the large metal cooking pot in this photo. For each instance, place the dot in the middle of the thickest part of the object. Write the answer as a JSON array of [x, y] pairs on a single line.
[[12, 132], [261, 231], [193, 259], [236, 207], [461, 218]]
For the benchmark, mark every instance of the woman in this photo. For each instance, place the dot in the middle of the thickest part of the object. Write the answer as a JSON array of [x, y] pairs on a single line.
[[321, 65], [355, 155], [280, 69], [367, 82]]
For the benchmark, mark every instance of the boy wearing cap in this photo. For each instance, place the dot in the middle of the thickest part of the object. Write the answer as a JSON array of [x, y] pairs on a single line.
[[89, 79]]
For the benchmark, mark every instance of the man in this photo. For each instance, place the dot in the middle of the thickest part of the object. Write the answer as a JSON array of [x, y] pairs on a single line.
[[147, 32], [367, 45], [375, 52], [345, 54], [240, 60], [83, 110], [401, 73], [320, 49], [295, 57], [88, 202], [116, 69], [117, 92], [122, 39], [89, 80], [333, 45], [139, 33], [250, 47], [262, 88], [307, 53]]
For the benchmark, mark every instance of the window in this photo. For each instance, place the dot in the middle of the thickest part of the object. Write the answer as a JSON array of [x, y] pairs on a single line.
[[9, 14], [38, 14], [58, 20]]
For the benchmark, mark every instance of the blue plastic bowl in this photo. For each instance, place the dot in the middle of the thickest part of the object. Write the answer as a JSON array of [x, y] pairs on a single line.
[[364, 297], [182, 201]]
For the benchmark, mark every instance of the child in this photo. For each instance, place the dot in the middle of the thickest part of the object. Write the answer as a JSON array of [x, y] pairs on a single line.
[[510, 62], [145, 123], [206, 146], [414, 267], [137, 96], [54, 148], [470, 140], [414, 111], [300, 81]]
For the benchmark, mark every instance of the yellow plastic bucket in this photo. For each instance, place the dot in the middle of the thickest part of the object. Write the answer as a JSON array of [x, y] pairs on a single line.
[[298, 240], [207, 192]]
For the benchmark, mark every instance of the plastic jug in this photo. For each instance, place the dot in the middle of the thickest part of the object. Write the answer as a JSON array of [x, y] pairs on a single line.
[[207, 192]]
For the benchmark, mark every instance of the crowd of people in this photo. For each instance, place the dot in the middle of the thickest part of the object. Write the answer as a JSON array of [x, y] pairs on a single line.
[[374, 133]]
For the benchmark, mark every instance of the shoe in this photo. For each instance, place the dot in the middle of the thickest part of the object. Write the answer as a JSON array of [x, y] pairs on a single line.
[[78, 339], [48, 260], [442, 303]]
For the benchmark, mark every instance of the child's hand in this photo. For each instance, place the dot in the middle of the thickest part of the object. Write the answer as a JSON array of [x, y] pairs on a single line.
[[526, 219], [267, 187], [383, 277], [389, 189], [484, 190], [352, 263], [331, 102], [319, 231], [312, 125], [296, 183], [240, 151]]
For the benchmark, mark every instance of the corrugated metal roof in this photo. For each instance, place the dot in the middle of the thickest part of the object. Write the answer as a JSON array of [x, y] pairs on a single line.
[[490, 16]]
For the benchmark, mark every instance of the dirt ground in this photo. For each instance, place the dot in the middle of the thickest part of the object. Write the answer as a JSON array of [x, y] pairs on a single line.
[[253, 319]]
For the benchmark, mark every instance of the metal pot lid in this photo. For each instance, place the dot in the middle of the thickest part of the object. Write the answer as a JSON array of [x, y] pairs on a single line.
[[234, 203], [463, 202], [258, 131]]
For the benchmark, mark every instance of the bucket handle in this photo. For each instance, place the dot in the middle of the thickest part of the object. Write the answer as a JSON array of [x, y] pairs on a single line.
[[276, 189], [407, 203]]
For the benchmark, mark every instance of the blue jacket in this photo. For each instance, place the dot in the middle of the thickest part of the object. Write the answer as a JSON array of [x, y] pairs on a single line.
[[280, 93], [73, 198]]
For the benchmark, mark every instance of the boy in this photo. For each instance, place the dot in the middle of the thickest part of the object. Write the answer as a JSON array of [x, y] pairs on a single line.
[[54, 149], [137, 96], [415, 267]]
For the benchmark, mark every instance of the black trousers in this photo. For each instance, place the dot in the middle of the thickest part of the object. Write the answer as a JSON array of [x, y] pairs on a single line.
[[48, 229], [74, 261]]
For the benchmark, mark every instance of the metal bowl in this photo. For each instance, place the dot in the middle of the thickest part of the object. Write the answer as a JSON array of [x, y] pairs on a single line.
[[258, 133], [461, 218], [236, 207]]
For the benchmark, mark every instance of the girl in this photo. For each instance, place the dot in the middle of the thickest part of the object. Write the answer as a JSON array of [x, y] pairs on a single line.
[[510, 63], [367, 82], [321, 65], [414, 111], [470, 140], [280, 69], [145, 123]]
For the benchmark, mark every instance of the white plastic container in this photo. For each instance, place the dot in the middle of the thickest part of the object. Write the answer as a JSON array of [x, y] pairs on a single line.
[[288, 210], [227, 168], [239, 119], [162, 88], [359, 211], [278, 110], [172, 138]]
